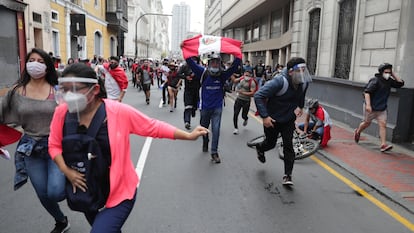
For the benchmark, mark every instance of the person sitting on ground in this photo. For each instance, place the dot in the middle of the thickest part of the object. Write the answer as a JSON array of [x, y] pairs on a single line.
[[317, 122]]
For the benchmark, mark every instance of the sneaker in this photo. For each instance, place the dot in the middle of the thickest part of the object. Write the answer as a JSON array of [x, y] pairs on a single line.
[[260, 155], [356, 135], [205, 146], [171, 109], [236, 131], [215, 158], [61, 227], [386, 147], [147, 101], [187, 126], [287, 180], [245, 122]]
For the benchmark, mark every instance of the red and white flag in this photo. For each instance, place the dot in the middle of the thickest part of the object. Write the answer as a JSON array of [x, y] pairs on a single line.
[[202, 44]]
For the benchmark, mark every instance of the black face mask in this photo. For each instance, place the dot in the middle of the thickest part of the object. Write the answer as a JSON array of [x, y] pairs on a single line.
[[113, 66]]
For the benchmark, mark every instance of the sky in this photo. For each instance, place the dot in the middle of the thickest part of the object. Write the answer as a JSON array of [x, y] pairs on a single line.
[[197, 12]]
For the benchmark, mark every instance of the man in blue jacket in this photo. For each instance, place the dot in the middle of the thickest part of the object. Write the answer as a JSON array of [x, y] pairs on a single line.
[[212, 81], [279, 102]]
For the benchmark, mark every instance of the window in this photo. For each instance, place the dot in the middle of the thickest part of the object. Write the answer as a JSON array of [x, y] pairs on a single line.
[[313, 39], [255, 34], [55, 16], [286, 17], [37, 17], [238, 34], [98, 43], [276, 24], [55, 43], [112, 46], [345, 39], [228, 33], [264, 29], [248, 34]]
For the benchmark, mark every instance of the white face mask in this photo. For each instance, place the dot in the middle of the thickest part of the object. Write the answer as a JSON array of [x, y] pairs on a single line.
[[36, 69], [386, 76], [76, 102]]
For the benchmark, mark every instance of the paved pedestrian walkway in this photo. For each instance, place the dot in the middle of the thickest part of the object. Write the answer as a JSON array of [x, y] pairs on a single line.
[[391, 173]]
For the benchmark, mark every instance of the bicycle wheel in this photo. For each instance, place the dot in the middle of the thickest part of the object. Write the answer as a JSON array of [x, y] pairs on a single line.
[[303, 148], [255, 141]]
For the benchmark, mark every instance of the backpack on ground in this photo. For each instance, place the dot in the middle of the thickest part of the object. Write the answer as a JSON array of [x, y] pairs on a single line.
[[82, 152]]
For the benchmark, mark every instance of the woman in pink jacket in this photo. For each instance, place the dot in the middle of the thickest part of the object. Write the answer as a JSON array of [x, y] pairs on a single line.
[[83, 94]]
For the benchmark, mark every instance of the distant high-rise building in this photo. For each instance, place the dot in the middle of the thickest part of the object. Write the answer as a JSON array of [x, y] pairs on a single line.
[[180, 26]]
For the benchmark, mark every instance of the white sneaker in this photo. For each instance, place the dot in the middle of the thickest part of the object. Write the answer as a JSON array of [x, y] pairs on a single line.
[[236, 131]]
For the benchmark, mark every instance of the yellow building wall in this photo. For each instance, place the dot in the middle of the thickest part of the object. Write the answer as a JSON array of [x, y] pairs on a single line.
[[60, 26], [94, 21]]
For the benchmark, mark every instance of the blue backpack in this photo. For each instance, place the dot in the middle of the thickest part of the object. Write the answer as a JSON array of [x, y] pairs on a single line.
[[82, 152]]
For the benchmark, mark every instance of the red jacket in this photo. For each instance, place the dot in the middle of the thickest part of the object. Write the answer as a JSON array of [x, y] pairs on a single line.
[[119, 75]]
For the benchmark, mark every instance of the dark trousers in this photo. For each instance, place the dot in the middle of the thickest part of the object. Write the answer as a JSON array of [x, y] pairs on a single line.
[[164, 90], [243, 105], [190, 104], [111, 220], [271, 134]]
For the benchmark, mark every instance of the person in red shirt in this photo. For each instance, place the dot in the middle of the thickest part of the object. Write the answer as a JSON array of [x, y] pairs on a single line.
[[134, 68], [317, 122]]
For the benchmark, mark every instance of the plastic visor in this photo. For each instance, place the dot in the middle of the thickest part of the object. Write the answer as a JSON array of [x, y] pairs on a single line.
[[66, 84], [303, 71]]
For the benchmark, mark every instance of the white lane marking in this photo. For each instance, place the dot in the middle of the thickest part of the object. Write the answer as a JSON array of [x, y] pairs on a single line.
[[160, 105], [143, 158]]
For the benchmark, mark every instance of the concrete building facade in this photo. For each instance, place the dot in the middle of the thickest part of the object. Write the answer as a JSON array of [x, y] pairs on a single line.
[[343, 42], [180, 26], [83, 28], [148, 34]]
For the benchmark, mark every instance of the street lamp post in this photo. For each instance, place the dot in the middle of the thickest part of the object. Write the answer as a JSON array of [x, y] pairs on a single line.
[[119, 14], [136, 29]]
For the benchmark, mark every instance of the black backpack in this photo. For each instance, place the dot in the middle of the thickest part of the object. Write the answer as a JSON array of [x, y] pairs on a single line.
[[83, 153]]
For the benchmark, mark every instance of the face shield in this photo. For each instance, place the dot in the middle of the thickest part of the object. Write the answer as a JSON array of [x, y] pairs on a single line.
[[300, 74], [73, 92], [214, 66]]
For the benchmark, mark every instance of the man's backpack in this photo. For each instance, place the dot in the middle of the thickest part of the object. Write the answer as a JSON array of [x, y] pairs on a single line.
[[82, 152], [285, 85]]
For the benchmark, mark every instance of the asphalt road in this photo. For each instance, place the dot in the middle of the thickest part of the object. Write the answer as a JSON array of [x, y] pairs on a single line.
[[182, 191]]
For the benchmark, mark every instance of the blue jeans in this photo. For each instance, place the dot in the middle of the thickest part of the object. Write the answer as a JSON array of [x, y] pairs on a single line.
[[311, 124], [111, 220], [259, 82], [213, 116], [48, 182]]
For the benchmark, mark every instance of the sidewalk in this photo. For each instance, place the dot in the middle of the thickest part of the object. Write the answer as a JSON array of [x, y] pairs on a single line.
[[390, 173]]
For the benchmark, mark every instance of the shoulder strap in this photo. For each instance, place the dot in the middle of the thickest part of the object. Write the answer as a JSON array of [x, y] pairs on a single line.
[[284, 87], [97, 120], [71, 122]]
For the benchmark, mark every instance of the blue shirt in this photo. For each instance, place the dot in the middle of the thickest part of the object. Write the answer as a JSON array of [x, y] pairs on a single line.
[[212, 92]]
